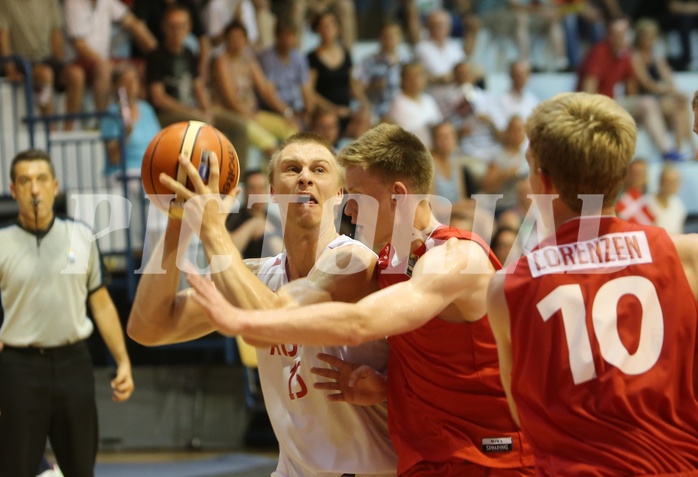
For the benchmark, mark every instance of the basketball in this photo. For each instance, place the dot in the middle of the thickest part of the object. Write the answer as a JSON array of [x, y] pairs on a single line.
[[197, 140]]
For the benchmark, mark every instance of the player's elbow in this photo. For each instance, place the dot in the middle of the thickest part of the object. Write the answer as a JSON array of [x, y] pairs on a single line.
[[135, 332], [138, 331]]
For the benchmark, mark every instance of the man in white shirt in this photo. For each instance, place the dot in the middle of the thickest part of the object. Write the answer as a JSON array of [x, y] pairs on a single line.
[[437, 53], [518, 101], [413, 109], [88, 26]]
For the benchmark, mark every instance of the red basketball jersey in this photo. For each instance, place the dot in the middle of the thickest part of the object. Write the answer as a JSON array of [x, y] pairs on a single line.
[[603, 331], [445, 397]]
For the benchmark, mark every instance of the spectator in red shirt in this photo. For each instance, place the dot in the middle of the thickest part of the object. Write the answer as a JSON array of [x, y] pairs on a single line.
[[608, 70]]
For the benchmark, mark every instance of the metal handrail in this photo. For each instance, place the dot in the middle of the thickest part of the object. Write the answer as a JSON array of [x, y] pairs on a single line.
[[29, 91], [31, 120]]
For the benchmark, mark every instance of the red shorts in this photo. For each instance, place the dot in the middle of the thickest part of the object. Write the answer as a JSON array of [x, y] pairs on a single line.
[[461, 468]]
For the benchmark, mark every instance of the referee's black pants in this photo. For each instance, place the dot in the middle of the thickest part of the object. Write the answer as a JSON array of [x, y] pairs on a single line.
[[47, 393]]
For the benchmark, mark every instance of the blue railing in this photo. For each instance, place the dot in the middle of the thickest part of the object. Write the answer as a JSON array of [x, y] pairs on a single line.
[[79, 173]]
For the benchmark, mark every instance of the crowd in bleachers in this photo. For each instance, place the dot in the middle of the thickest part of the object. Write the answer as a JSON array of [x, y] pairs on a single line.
[[245, 66]]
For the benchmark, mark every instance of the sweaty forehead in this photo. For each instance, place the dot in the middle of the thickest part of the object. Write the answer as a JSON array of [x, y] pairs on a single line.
[[306, 152]]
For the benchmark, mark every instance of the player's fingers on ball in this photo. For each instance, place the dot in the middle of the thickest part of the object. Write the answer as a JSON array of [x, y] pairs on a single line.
[[336, 397], [183, 159], [196, 179], [214, 169], [174, 186], [192, 172], [193, 280]]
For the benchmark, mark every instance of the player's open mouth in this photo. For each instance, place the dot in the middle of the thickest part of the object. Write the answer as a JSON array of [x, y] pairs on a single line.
[[306, 199]]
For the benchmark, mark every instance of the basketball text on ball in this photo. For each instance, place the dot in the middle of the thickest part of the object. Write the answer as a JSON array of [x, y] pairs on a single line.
[[231, 179]]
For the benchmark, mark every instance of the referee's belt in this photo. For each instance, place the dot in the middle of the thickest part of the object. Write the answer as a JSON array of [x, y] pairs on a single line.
[[46, 350]]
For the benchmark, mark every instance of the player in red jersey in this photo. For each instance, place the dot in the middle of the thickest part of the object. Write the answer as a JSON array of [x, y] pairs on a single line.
[[596, 327], [447, 411]]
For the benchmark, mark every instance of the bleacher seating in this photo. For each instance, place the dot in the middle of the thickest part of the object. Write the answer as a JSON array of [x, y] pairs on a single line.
[[14, 135]]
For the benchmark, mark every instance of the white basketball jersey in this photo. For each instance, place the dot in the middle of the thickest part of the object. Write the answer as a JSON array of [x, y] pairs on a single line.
[[318, 437]]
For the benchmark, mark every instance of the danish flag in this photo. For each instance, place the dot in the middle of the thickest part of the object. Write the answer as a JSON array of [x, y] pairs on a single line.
[[631, 206]]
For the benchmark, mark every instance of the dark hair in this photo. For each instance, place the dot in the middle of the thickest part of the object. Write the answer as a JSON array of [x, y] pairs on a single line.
[[285, 25], [30, 155], [235, 25], [501, 230], [175, 7], [251, 172], [315, 22], [320, 113], [389, 23], [433, 129], [120, 70]]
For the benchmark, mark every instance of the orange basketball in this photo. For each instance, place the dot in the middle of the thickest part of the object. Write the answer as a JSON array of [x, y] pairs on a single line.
[[197, 140]]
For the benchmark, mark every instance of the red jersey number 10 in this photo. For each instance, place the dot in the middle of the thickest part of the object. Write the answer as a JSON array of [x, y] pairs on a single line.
[[569, 301]]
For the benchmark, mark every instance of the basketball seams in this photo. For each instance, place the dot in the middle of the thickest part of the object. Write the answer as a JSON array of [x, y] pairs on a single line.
[[189, 141], [151, 162]]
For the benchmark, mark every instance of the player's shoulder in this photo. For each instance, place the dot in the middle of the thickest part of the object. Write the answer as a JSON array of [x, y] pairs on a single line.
[[460, 268], [456, 255], [346, 255]]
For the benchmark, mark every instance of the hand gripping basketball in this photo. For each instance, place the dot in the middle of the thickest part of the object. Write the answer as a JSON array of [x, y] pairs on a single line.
[[197, 142], [206, 196]]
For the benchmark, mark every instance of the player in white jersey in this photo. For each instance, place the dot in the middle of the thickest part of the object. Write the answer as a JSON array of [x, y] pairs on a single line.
[[359, 431], [316, 438]]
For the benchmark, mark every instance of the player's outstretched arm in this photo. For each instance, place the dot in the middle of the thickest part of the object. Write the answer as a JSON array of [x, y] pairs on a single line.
[[498, 314], [454, 274], [159, 314]]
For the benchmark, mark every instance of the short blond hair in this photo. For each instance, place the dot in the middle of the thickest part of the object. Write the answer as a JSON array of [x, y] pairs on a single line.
[[584, 142], [303, 138], [392, 154]]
